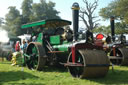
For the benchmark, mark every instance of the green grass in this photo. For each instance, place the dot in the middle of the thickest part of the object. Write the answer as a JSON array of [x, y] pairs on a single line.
[[13, 75]]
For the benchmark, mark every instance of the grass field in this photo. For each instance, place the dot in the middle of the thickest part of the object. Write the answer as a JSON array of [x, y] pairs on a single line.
[[14, 75]]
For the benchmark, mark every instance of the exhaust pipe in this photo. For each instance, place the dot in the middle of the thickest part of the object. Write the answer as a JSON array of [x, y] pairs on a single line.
[[112, 28], [75, 14]]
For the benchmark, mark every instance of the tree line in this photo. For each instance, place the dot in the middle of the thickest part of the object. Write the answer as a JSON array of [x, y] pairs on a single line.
[[117, 9], [31, 12]]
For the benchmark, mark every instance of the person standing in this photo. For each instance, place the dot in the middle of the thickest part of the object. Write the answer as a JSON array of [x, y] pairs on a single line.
[[24, 45], [17, 46]]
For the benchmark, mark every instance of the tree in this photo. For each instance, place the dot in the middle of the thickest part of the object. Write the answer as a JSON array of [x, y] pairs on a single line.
[[51, 12], [43, 11], [30, 12], [122, 7], [26, 10], [38, 11], [119, 29], [13, 21], [116, 8], [1, 21], [109, 11], [102, 29], [86, 14]]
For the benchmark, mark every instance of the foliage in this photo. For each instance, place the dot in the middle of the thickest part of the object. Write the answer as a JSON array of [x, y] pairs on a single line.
[[122, 10], [1, 21], [102, 29], [87, 14], [119, 29], [13, 21], [26, 10], [116, 8], [14, 75], [109, 11], [30, 12], [43, 11]]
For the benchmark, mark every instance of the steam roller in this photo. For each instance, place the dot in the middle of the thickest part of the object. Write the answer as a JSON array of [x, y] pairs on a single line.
[[119, 56], [117, 48], [88, 64], [56, 44]]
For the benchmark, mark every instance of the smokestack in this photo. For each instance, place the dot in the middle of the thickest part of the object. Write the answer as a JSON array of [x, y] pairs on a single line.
[[112, 28], [75, 14]]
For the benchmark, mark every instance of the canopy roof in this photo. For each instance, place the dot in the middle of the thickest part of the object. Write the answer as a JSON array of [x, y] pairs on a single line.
[[51, 23]]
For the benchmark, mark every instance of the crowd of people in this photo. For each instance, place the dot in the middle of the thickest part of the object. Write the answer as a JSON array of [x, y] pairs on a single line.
[[16, 47], [18, 51]]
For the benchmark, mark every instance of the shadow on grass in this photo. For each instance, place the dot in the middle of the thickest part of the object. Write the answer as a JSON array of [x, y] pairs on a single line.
[[117, 77], [55, 69], [15, 76]]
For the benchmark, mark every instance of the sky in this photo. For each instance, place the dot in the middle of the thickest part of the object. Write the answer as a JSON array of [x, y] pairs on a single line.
[[63, 6]]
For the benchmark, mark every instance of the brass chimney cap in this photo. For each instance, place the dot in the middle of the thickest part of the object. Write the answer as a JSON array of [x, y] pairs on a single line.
[[75, 6]]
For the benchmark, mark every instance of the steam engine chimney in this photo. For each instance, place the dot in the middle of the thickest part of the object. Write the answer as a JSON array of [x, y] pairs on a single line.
[[112, 28], [75, 14]]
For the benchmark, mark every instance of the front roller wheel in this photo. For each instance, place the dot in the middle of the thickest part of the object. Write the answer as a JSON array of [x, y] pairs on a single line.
[[94, 63], [120, 58], [35, 56]]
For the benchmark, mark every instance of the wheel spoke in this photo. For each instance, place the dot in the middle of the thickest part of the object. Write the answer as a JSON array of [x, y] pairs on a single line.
[[76, 71], [34, 60], [32, 57]]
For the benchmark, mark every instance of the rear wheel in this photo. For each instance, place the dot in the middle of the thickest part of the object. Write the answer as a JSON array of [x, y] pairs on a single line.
[[35, 56]]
